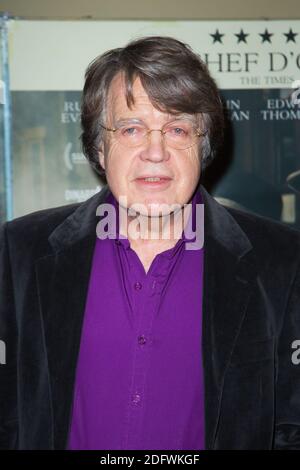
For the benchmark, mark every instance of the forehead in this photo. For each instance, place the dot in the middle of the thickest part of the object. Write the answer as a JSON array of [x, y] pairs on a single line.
[[116, 99], [117, 107]]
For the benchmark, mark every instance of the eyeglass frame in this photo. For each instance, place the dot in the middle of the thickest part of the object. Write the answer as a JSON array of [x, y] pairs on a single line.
[[198, 134]]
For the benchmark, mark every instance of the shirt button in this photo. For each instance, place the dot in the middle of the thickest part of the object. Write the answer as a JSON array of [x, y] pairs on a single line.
[[137, 286], [142, 339], [136, 398]]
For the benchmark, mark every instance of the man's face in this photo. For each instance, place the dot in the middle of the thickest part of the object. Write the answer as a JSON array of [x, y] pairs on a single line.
[[125, 166]]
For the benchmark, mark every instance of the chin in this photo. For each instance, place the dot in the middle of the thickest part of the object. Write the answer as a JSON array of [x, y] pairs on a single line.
[[158, 209]]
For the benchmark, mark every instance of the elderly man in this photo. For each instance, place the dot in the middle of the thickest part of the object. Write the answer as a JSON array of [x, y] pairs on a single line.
[[130, 339]]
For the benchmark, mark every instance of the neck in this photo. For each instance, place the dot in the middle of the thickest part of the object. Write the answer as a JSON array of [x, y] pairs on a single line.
[[153, 230]]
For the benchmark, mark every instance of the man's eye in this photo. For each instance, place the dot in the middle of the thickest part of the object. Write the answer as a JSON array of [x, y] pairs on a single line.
[[177, 131], [129, 131]]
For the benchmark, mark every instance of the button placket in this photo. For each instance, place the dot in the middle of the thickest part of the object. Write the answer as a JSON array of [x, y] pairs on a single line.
[[143, 292]]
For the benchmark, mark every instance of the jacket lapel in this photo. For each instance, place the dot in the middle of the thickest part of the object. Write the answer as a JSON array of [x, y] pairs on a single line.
[[63, 279], [229, 273]]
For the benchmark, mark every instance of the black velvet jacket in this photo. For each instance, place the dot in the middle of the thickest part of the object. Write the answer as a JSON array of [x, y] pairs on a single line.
[[251, 317]]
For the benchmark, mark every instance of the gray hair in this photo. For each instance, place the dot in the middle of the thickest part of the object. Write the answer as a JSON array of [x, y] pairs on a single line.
[[175, 79]]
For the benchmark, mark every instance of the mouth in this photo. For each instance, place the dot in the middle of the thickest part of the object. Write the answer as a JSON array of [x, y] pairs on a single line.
[[154, 181]]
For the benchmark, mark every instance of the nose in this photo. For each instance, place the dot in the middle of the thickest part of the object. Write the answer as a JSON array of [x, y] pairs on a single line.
[[155, 148]]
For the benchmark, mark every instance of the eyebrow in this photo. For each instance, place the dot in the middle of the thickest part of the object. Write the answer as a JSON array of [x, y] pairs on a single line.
[[126, 120], [184, 117]]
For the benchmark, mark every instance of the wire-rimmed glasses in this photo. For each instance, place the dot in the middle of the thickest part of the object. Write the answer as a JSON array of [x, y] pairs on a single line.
[[180, 135]]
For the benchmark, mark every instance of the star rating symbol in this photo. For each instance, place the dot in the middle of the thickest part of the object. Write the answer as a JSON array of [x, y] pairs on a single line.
[[217, 37], [242, 36], [266, 36], [290, 36]]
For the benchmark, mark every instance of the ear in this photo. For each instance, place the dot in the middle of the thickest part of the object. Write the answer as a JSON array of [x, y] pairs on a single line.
[[101, 158]]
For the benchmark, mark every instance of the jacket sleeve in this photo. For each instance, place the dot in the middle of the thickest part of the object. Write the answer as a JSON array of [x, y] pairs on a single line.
[[8, 350], [287, 393]]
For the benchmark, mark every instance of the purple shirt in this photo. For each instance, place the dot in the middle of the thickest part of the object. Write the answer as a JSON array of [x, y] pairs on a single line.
[[139, 377]]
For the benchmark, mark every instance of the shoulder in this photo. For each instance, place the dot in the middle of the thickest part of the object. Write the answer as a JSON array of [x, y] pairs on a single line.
[[45, 218], [256, 225], [233, 225], [32, 230], [269, 238], [32, 235]]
